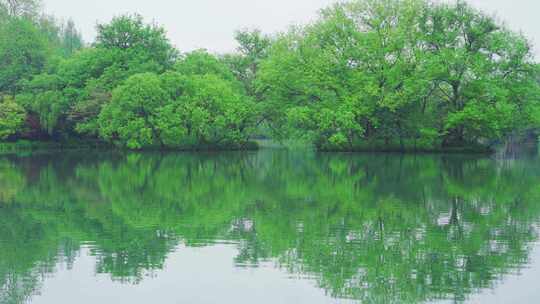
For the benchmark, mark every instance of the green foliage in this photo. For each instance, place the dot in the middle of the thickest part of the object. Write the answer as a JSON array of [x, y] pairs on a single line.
[[131, 35], [390, 70], [477, 121], [393, 75], [12, 117], [131, 114], [212, 112], [202, 63], [23, 52], [70, 39], [68, 98], [48, 104], [252, 49], [177, 111], [370, 228]]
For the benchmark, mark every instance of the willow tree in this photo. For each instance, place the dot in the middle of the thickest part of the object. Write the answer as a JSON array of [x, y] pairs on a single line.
[[12, 117]]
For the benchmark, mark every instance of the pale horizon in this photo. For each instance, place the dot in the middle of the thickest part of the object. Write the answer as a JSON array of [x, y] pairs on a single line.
[[210, 24]]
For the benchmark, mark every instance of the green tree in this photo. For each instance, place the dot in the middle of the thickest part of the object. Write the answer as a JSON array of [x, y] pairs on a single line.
[[145, 42], [202, 63], [68, 97], [481, 72], [71, 38], [177, 111], [130, 116], [367, 74], [252, 49], [213, 113], [23, 53], [12, 117], [406, 72], [344, 72], [124, 47]]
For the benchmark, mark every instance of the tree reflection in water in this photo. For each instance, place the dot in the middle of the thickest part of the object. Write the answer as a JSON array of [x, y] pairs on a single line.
[[380, 228]]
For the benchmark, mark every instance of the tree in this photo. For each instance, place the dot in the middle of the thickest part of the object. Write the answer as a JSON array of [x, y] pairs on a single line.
[[405, 72], [71, 39], [480, 70], [130, 34], [23, 53], [12, 118], [200, 62], [4, 15], [199, 104], [252, 49], [177, 111], [124, 47], [367, 74], [70, 93], [210, 112], [350, 73], [130, 117], [21, 8]]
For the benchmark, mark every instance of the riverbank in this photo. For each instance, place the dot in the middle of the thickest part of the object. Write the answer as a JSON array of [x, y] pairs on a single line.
[[408, 146], [359, 147], [414, 150], [34, 146]]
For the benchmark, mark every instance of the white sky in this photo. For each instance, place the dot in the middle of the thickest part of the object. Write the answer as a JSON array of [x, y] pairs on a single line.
[[210, 24]]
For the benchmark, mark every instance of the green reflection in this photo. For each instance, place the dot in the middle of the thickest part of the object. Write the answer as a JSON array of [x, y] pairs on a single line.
[[384, 229]]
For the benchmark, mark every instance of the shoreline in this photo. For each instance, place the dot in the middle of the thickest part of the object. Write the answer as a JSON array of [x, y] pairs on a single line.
[[38, 146]]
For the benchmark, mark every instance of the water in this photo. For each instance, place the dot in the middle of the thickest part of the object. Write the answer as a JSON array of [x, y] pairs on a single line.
[[268, 227]]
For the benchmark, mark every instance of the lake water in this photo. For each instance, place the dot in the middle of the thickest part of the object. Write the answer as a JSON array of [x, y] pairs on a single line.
[[268, 227]]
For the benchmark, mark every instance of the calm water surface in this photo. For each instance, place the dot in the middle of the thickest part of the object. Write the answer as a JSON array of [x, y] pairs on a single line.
[[268, 227]]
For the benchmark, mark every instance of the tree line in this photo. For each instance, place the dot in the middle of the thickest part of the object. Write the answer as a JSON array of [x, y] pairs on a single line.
[[367, 74]]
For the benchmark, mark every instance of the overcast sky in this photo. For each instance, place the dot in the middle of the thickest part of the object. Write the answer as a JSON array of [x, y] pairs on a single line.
[[210, 24]]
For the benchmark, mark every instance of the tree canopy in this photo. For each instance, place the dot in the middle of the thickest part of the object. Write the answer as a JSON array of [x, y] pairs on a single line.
[[402, 71], [392, 74], [12, 117]]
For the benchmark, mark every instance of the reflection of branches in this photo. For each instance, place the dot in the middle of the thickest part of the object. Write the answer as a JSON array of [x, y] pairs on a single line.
[[365, 227]]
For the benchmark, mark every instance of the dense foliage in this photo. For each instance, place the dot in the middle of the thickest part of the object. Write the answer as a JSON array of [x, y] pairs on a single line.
[[402, 71], [176, 110], [12, 118], [389, 74]]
